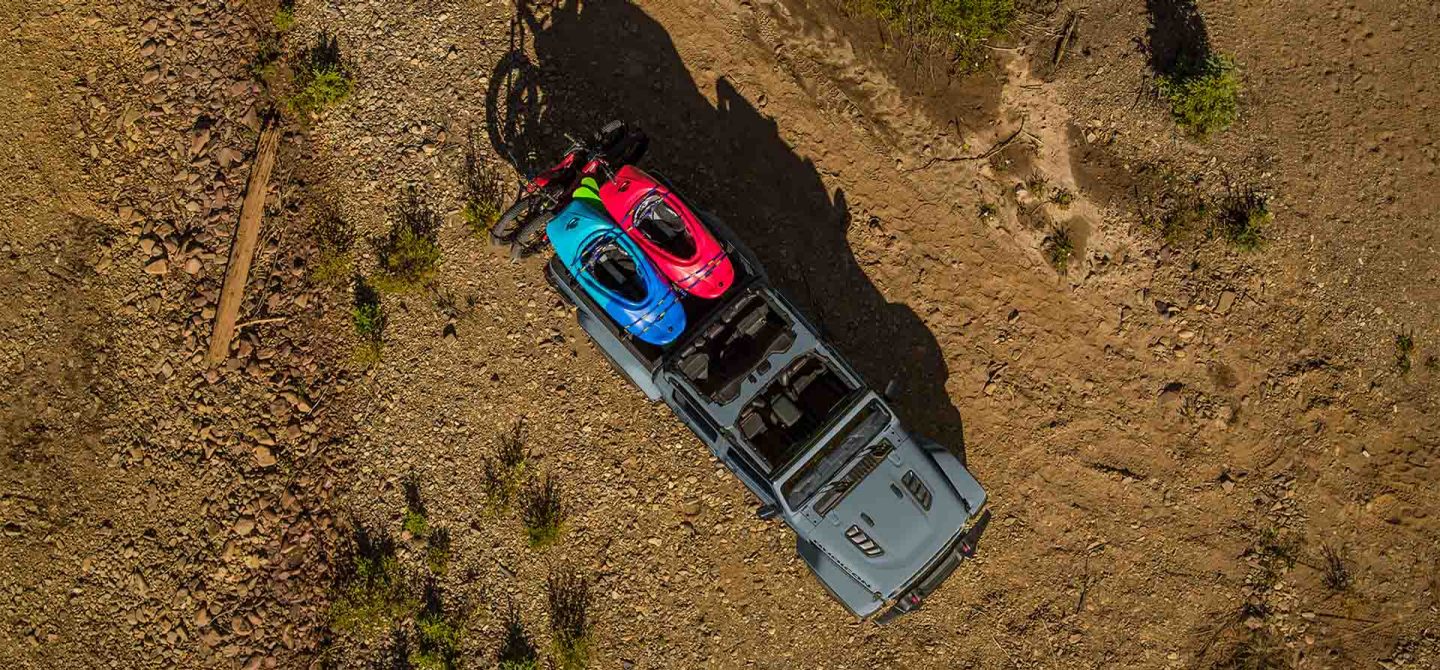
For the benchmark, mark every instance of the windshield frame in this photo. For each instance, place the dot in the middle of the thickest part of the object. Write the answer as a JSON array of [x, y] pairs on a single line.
[[854, 419]]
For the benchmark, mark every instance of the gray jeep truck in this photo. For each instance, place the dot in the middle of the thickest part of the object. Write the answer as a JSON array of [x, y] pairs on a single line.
[[882, 516]]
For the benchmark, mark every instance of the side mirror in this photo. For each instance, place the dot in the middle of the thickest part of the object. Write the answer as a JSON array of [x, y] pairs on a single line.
[[892, 389], [768, 511]]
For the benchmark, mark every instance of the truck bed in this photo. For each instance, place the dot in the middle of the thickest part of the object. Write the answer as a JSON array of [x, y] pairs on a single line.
[[698, 312]]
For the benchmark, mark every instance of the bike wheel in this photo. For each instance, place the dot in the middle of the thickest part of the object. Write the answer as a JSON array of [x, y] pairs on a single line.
[[628, 149], [531, 239], [506, 226]]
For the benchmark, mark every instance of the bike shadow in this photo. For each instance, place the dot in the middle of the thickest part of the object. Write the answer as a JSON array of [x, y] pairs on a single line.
[[598, 61]]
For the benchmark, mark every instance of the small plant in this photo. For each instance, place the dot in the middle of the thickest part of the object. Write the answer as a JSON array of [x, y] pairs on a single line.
[[1204, 97], [437, 550], [506, 470], [568, 595], [1038, 185], [543, 510], [1277, 552], [1335, 571], [1259, 650], [321, 78], [372, 592], [410, 252], [284, 18], [369, 319], [1243, 218], [1404, 346], [414, 520], [517, 650], [334, 237], [483, 189], [263, 66], [1185, 211], [438, 637], [415, 523], [1058, 248], [988, 210], [1063, 198]]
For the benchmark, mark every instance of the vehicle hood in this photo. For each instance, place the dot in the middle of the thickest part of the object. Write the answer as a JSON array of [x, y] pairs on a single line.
[[884, 509]]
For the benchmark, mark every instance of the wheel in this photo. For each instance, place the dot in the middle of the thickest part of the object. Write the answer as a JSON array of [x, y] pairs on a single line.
[[530, 239], [504, 229]]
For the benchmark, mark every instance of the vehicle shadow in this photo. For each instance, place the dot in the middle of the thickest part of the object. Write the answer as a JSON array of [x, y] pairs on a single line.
[[605, 60]]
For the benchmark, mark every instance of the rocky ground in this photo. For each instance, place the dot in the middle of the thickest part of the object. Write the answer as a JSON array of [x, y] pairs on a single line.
[[1186, 444]]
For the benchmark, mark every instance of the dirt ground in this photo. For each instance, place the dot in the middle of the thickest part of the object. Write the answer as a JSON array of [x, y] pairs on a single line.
[[1185, 444]]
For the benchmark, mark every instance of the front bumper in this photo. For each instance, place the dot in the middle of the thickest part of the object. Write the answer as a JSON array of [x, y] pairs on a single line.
[[938, 571]]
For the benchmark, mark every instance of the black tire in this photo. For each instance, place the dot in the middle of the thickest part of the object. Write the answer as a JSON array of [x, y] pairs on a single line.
[[611, 133], [505, 227], [530, 239]]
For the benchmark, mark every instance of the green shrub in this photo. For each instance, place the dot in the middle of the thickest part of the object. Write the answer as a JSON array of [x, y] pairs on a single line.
[[543, 510], [321, 78], [505, 471], [1404, 346], [369, 319], [517, 650], [413, 520], [1188, 214], [284, 18], [483, 189], [437, 550], [1204, 98], [372, 593], [1243, 218], [1063, 198], [1058, 248], [569, 598], [262, 67], [960, 26], [410, 252], [414, 523], [334, 237], [437, 645], [1335, 573]]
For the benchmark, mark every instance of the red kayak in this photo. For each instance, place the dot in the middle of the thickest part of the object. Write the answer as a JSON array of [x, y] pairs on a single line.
[[669, 233]]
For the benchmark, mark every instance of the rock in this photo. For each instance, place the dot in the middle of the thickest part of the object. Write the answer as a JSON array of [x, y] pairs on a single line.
[[1227, 300], [228, 157], [690, 507], [263, 457], [1388, 507], [244, 526], [147, 245], [158, 266], [192, 266]]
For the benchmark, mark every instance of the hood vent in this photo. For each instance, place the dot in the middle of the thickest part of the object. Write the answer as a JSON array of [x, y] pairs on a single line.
[[863, 542], [836, 492], [917, 488]]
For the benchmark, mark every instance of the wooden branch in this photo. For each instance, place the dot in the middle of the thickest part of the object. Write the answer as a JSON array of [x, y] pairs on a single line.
[[256, 322], [1063, 45], [242, 248], [999, 146]]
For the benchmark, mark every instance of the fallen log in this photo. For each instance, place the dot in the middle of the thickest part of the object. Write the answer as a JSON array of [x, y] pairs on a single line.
[[242, 248]]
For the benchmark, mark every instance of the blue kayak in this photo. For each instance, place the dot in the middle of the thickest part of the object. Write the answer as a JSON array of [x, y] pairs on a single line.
[[611, 268]]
